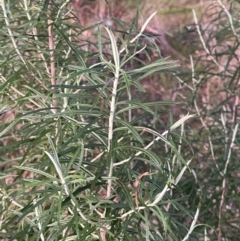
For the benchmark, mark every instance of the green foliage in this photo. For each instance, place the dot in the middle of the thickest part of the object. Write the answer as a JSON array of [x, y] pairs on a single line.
[[84, 158], [79, 165]]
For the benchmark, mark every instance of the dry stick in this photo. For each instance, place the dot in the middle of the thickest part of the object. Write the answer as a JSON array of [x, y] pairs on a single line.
[[223, 119], [199, 114], [221, 68], [238, 38], [195, 103], [236, 104], [224, 182], [236, 127], [203, 42], [229, 18], [51, 51], [213, 59]]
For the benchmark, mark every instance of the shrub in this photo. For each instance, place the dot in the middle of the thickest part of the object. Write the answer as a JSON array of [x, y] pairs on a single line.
[[80, 165], [211, 90]]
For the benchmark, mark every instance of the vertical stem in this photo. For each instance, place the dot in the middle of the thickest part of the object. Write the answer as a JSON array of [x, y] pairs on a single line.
[[224, 182], [52, 59], [110, 129], [112, 106], [51, 51]]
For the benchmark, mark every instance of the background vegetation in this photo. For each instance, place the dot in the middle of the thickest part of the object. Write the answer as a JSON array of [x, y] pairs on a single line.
[[104, 136]]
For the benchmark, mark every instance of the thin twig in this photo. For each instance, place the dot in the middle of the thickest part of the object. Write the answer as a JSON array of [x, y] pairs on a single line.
[[51, 52], [224, 182], [203, 42], [229, 17]]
